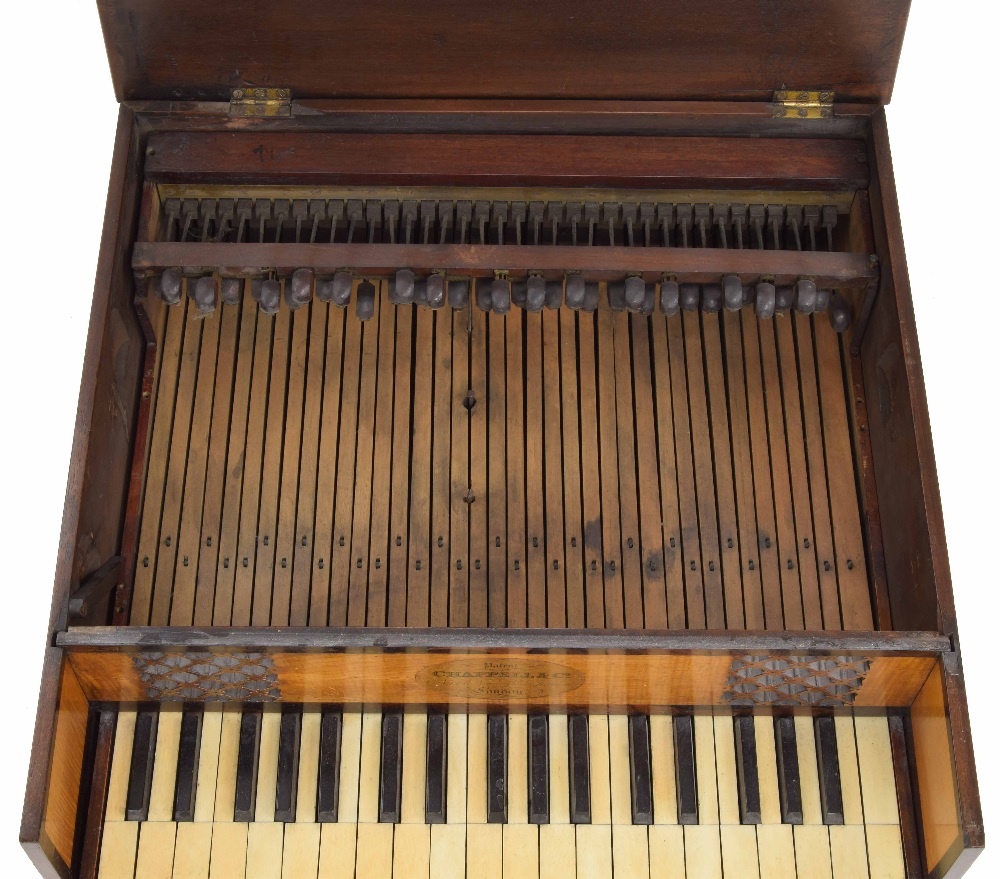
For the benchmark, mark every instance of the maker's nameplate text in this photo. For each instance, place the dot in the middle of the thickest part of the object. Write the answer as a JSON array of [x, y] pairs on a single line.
[[500, 678]]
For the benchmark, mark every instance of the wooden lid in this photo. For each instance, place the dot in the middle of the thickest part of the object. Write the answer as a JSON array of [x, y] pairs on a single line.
[[602, 49]]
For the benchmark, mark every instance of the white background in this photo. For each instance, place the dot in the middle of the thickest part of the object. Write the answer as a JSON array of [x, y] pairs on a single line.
[[58, 119]]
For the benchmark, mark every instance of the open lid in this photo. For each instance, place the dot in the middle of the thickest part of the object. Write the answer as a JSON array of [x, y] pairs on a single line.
[[599, 49]]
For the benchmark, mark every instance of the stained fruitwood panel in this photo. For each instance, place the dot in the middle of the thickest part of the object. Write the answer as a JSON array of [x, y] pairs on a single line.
[[455, 468]]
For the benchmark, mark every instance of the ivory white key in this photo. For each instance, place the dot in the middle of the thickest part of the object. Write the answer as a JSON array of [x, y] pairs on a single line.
[[192, 850], [666, 849], [776, 850], [168, 735], [767, 770], [229, 850], [373, 858], [702, 851], [812, 851], [350, 767], [305, 804], [600, 770], [878, 780], [704, 758], [448, 849], [848, 851], [620, 775], [556, 850], [265, 846], [630, 850], [119, 841], [267, 764], [558, 769], [739, 851], [484, 845], [337, 848], [457, 768], [885, 851], [661, 746], [411, 845], [121, 762], [593, 849], [517, 769], [301, 858], [229, 750], [725, 769], [155, 859], [476, 773], [208, 763], [414, 768], [520, 849], [368, 779], [805, 738]]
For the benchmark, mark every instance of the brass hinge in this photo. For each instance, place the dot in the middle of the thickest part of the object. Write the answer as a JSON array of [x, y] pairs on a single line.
[[247, 102], [792, 104]]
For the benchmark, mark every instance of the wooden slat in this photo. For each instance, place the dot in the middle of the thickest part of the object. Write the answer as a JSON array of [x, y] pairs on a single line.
[[199, 607], [517, 560], [576, 599], [632, 573], [311, 605], [343, 511], [743, 472], [766, 536], [614, 597], [593, 559], [271, 331], [855, 599], [458, 603], [440, 550], [189, 536], [534, 456], [156, 468], [277, 534], [400, 501], [478, 510], [654, 598], [359, 560], [496, 406], [555, 559]]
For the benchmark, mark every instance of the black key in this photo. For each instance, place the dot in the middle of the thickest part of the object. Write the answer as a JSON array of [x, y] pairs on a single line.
[[746, 769], [437, 769], [187, 765], [140, 775], [789, 786], [496, 771], [246, 765], [579, 769], [538, 769], [392, 768], [831, 796], [642, 769], [288, 765], [328, 784], [684, 767]]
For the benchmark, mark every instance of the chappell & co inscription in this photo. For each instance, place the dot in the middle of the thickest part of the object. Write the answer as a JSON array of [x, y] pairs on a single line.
[[500, 678]]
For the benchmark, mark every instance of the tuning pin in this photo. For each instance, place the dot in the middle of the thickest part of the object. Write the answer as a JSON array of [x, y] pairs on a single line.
[[711, 298], [401, 289], [171, 285], [670, 298], [298, 291], [732, 292], [634, 292], [202, 293], [764, 297], [553, 294], [839, 312], [365, 304], [232, 289], [484, 298], [805, 296], [500, 295], [336, 289], [458, 292], [823, 300], [784, 298], [534, 294], [435, 289], [576, 290], [689, 297], [268, 295]]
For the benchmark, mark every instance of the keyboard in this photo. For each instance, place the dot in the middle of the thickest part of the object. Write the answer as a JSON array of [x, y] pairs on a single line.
[[291, 791]]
